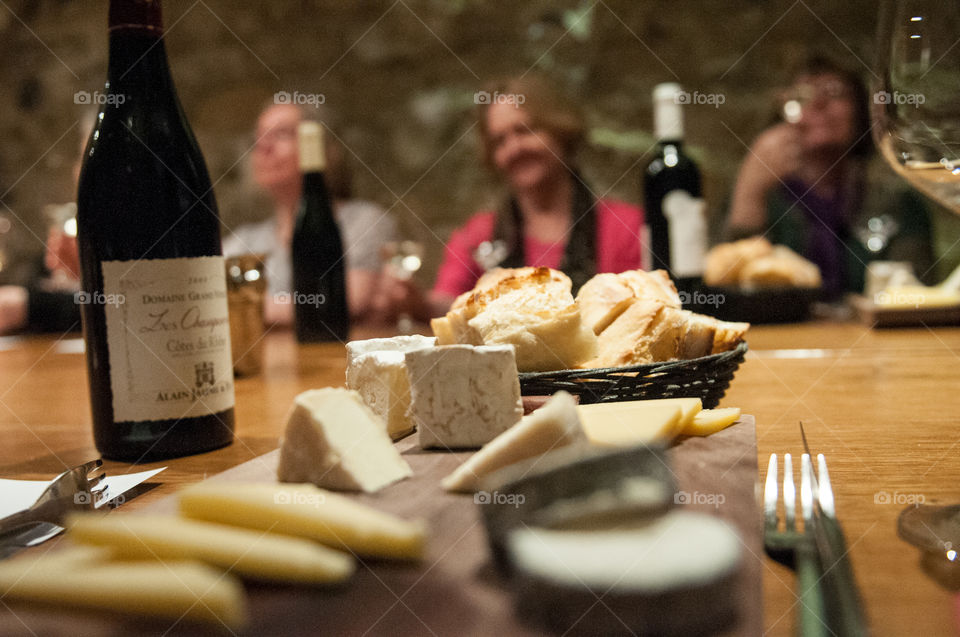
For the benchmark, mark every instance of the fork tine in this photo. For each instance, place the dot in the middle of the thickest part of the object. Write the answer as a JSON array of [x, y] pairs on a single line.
[[95, 480], [789, 493], [807, 491], [771, 494], [90, 466], [825, 490]]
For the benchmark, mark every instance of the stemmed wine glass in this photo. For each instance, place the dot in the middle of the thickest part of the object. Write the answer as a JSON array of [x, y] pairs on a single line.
[[916, 95]]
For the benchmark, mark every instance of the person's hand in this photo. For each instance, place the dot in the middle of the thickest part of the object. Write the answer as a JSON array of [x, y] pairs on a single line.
[[13, 308], [774, 155], [404, 297], [62, 256]]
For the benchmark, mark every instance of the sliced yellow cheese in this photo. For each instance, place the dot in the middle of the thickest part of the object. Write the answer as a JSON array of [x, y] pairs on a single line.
[[629, 427], [710, 421], [916, 296], [552, 426], [304, 510], [243, 551], [637, 421], [87, 579]]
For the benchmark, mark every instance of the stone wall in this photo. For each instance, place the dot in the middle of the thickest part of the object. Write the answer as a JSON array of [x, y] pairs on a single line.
[[399, 79]]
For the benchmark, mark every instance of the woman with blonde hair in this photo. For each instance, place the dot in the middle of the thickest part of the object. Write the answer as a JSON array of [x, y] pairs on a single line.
[[530, 135]]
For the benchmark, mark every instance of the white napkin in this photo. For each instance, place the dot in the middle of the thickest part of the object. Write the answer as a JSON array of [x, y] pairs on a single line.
[[17, 495]]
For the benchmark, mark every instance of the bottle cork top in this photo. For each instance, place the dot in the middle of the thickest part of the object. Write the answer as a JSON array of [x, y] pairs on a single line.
[[668, 101], [310, 145]]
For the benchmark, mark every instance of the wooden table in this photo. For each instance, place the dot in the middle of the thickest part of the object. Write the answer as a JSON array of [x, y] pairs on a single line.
[[882, 405]]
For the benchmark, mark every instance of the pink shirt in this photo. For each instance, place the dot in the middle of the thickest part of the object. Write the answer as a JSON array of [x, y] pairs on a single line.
[[618, 246]]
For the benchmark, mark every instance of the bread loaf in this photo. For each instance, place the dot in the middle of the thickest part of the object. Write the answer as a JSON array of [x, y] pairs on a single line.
[[604, 297], [531, 309]]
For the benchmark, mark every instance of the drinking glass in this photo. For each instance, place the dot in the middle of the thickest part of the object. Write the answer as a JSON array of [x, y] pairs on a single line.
[[403, 259], [916, 95]]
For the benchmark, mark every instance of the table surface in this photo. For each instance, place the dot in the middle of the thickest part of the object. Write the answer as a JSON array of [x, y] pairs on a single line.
[[881, 405]]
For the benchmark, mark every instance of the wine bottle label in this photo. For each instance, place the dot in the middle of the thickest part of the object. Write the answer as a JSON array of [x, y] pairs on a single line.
[[168, 335], [687, 222]]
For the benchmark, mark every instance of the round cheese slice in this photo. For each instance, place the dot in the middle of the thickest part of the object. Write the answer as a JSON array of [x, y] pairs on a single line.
[[671, 575]]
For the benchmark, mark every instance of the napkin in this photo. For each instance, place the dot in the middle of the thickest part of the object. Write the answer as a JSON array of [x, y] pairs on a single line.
[[17, 495]]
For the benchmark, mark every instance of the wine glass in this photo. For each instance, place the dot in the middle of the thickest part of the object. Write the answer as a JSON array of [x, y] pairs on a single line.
[[916, 95], [402, 260]]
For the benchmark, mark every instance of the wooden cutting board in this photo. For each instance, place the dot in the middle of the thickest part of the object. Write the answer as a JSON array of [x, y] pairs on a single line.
[[455, 590]]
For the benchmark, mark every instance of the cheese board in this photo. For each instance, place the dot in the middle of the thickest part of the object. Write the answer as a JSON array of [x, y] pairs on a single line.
[[456, 588]]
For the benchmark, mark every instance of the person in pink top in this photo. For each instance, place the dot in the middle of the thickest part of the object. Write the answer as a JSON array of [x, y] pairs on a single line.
[[530, 134]]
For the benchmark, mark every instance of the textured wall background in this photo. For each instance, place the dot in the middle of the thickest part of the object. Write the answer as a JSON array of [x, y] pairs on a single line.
[[399, 78]]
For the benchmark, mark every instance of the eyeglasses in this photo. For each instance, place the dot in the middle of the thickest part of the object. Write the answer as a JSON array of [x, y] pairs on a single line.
[[824, 89], [800, 95]]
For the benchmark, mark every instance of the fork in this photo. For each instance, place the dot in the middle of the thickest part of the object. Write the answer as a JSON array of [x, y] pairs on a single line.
[[794, 548], [846, 612], [74, 489]]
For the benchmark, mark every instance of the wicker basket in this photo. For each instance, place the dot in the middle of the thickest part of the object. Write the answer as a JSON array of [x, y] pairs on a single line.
[[706, 378]]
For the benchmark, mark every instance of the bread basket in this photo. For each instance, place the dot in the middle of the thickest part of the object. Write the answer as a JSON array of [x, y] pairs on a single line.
[[706, 378]]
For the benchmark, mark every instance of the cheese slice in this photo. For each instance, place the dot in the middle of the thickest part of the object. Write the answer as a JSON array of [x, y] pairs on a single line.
[[305, 511], [916, 296], [83, 577], [243, 551], [710, 421], [552, 426], [463, 396], [380, 378], [333, 440], [636, 422], [375, 369]]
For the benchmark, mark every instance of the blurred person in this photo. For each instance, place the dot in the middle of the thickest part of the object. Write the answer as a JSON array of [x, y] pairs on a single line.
[[808, 182], [530, 135], [364, 226], [47, 302]]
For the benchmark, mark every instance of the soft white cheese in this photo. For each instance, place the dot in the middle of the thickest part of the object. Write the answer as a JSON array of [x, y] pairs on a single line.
[[676, 550], [380, 377], [404, 343], [335, 441], [463, 396]]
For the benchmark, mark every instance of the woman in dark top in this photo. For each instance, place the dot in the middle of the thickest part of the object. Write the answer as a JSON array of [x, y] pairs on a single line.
[[810, 183]]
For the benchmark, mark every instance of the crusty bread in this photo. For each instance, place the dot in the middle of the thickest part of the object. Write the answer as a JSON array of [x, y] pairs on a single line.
[[623, 342], [781, 268], [656, 285], [489, 280], [725, 261], [649, 331], [604, 297], [531, 309], [727, 335]]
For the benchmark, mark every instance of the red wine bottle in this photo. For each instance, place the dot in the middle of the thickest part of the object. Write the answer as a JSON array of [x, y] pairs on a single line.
[[154, 302], [673, 205], [319, 275]]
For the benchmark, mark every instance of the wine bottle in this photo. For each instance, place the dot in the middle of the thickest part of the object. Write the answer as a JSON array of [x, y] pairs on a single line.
[[319, 278], [154, 303], [674, 209]]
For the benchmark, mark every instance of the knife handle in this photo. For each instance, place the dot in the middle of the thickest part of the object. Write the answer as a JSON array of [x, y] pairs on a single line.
[[845, 606], [811, 620]]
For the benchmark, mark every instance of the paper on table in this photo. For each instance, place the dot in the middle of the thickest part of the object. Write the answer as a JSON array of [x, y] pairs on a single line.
[[18, 495]]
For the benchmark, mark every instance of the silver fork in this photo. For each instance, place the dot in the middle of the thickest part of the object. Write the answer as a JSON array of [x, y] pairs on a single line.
[[792, 547], [74, 489], [845, 607]]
